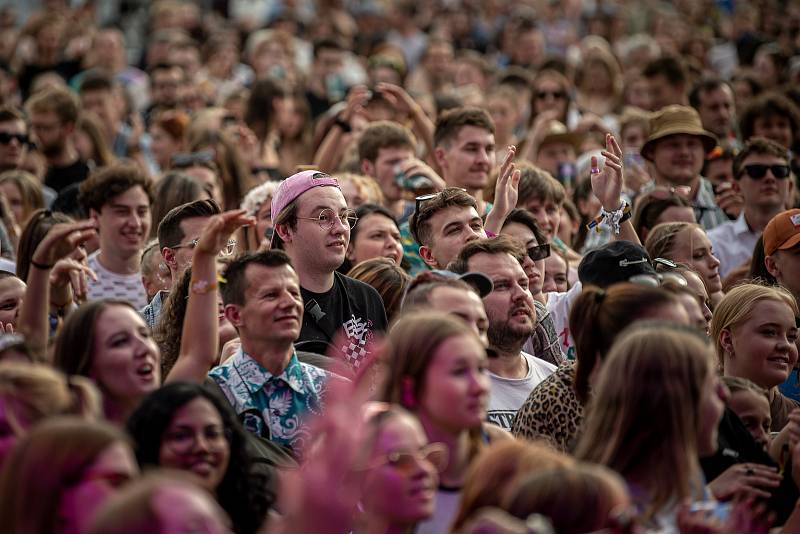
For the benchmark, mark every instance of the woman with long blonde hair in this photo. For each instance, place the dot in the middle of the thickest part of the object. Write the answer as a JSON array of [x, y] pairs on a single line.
[[754, 331]]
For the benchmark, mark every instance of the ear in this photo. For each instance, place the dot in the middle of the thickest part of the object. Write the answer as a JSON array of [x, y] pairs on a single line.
[[427, 256], [726, 341], [367, 167], [283, 232], [407, 398], [94, 214], [439, 156], [232, 315], [169, 258], [772, 267]]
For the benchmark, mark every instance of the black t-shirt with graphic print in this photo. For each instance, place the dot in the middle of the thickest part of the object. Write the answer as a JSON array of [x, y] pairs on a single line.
[[351, 307]]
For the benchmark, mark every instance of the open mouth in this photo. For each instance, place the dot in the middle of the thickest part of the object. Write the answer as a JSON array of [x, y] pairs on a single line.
[[146, 372]]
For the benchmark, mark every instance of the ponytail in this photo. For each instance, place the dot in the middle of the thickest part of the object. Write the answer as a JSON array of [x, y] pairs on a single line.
[[598, 316], [583, 319]]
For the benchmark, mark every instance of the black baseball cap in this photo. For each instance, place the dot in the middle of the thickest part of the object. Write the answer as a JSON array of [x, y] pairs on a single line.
[[614, 262]]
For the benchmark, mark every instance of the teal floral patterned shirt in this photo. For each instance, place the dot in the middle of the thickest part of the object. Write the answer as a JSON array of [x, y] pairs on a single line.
[[273, 407]]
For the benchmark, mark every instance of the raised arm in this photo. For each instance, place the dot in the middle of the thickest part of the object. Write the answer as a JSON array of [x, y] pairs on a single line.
[[60, 242], [607, 187], [506, 193], [423, 126], [330, 150], [200, 336]]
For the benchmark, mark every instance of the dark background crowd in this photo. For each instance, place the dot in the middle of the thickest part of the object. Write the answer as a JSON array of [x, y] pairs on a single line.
[[388, 266]]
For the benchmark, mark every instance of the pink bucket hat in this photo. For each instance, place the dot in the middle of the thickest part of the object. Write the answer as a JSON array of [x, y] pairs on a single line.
[[294, 186]]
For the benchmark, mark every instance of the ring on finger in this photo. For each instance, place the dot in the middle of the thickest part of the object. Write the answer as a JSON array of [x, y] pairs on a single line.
[[749, 471]]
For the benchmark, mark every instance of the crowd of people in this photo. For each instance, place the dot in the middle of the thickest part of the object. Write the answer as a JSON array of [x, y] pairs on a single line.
[[388, 266]]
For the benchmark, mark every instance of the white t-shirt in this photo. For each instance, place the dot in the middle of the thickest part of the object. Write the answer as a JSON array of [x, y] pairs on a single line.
[[559, 305], [507, 395], [110, 285]]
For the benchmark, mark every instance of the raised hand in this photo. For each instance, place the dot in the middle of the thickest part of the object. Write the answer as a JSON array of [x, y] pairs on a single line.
[[218, 231], [398, 97], [72, 272], [506, 190], [506, 193], [607, 183], [62, 240]]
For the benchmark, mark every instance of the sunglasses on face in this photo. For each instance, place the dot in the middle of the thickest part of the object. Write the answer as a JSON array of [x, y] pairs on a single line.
[[539, 252], [191, 159], [6, 138], [757, 171], [407, 462], [557, 95]]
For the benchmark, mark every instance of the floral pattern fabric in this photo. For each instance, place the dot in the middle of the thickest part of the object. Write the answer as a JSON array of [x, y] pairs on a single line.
[[274, 407]]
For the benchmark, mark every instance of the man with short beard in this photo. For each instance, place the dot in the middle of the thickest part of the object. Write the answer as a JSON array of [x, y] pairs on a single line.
[[512, 321], [53, 113]]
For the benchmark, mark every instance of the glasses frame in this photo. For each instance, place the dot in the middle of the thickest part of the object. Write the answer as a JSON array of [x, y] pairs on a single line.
[[539, 252], [228, 251], [392, 459], [346, 215], [7, 137], [772, 168], [659, 279], [191, 159]]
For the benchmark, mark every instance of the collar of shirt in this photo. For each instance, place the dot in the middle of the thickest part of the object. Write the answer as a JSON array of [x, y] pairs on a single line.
[[705, 195], [255, 376], [740, 226]]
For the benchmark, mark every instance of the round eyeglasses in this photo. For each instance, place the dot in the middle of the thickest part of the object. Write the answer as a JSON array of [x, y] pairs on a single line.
[[327, 218]]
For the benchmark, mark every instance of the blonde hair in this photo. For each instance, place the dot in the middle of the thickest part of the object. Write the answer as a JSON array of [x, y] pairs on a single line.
[[661, 240], [653, 373], [30, 190], [738, 305], [498, 470], [33, 392], [367, 187]]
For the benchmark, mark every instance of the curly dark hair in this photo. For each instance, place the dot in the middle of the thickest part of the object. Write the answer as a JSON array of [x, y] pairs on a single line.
[[104, 185], [242, 493]]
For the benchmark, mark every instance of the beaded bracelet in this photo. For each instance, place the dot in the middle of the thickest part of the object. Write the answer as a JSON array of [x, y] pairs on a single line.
[[613, 218]]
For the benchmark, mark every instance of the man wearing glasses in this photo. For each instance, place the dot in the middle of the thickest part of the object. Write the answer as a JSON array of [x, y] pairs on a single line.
[[14, 140], [118, 198], [177, 238], [312, 225], [512, 321], [53, 113], [762, 176]]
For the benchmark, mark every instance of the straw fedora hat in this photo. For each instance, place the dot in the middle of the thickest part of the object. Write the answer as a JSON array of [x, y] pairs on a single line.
[[558, 133], [672, 120]]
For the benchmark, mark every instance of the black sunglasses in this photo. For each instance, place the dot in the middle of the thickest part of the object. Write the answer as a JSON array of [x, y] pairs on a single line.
[[191, 159], [757, 171], [558, 95], [539, 252], [6, 138]]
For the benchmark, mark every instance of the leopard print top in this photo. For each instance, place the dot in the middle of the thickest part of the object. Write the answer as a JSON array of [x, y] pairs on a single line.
[[552, 411]]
